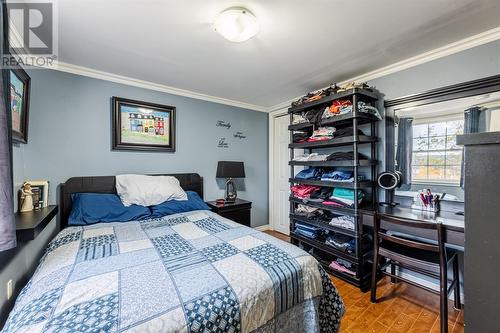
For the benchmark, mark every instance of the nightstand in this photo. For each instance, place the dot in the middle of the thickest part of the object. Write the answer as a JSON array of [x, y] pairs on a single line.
[[238, 211]]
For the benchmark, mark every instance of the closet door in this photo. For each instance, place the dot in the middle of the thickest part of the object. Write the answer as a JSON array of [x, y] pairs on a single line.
[[280, 175]]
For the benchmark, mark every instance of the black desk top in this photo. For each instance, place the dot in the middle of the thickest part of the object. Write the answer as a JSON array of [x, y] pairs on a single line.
[[449, 220]]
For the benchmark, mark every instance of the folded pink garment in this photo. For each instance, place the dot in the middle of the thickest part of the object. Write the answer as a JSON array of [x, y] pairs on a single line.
[[336, 266], [304, 191], [332, 203]]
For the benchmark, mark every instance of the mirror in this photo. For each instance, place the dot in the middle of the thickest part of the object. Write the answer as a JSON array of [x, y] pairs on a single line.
[[425, 149]]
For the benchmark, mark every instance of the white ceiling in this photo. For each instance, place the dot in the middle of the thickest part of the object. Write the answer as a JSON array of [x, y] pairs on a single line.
[[302, 45]]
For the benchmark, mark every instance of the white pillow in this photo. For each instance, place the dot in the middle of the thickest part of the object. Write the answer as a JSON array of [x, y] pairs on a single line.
[[148, 190]]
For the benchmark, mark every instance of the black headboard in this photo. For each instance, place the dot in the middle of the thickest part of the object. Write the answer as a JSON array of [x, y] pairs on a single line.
[[107, 184]]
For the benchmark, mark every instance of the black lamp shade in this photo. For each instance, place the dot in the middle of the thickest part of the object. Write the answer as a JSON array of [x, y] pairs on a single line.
[[229, 169]]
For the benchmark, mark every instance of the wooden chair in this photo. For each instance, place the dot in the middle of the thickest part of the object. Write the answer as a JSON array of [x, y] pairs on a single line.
[[418, 256]]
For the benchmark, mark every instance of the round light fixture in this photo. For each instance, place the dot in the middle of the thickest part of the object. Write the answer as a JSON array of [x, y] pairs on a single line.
[[236, 24]]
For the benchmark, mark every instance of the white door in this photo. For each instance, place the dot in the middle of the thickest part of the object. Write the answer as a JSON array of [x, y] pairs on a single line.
[[280, 175]]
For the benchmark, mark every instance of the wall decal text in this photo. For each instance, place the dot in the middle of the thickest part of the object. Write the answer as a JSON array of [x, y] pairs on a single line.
[[222, 123], [222, 143], [239, 135]]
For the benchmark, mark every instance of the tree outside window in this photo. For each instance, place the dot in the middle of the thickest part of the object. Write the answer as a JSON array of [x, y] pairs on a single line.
[[436, 157]]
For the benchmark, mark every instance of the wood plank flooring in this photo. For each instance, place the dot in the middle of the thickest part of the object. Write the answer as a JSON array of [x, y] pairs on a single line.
[[400, 308]]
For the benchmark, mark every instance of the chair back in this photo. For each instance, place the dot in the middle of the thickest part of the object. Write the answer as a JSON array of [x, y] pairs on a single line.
[[391, 223]]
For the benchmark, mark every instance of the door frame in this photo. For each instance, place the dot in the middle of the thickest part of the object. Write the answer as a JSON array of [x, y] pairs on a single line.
[[272, 118]]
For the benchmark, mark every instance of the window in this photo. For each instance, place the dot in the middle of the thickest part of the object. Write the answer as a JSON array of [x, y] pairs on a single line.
[[436, 157]]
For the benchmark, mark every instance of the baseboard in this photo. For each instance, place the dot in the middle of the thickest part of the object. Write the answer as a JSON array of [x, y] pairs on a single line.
[[426, 283], [263, 227]]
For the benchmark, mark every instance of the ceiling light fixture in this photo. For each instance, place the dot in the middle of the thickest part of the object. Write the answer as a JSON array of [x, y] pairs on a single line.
[[236, 24]]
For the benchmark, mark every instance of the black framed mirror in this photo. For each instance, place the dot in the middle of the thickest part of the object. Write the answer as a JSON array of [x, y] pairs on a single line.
[[421, 131]]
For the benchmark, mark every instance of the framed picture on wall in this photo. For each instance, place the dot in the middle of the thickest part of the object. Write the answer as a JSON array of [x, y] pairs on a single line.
[[142, 126], [19, 98]]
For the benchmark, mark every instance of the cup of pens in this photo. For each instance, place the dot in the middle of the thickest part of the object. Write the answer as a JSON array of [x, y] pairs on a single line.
[[426, 201]]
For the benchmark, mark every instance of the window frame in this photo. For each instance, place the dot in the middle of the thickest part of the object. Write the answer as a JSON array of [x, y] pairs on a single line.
[[434, 120]]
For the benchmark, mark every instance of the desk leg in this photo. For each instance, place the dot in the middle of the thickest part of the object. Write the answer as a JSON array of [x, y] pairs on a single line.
[[393, 272]]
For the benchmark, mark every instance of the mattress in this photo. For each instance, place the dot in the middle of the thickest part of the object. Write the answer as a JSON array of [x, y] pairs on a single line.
[[189, 272]]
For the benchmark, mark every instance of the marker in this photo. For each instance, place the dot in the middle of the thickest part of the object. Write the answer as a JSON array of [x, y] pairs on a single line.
[[422, 197]]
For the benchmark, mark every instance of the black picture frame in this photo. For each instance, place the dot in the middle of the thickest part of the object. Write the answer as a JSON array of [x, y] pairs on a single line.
[[150, 123], [19, 122]]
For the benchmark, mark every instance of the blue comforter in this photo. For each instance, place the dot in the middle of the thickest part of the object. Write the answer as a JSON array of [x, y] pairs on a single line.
[[190, 272]]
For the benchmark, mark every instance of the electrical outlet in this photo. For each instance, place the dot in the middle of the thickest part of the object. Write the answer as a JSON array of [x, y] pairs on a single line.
[[9, 289]]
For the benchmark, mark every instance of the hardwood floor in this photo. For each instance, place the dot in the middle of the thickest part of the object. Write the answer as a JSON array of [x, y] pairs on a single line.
[[400, 308]]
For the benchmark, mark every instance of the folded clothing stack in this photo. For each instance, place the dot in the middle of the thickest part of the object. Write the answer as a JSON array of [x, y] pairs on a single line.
[[321, 194], [336, 108], [343, 266], [317, 95], [347, 131], [338, 176], [299, 119], [309, 173], [338, 197], [344, 156], [309, 212], [326, 175], [308, 231], [345, 196], [343, 221], [313, 116], [340, 107], [322, 134], [300, 137], [362, 107], [341, 242], [303, 191], [311, 157]]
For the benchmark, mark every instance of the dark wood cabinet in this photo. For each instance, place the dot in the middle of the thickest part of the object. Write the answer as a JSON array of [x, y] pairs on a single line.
[[238, 211], [482, 245]]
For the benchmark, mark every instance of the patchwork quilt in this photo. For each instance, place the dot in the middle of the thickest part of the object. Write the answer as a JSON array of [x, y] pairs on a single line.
[[190, 272]]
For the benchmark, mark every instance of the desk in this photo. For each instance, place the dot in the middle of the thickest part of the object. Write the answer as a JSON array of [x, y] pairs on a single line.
[[453, 224]]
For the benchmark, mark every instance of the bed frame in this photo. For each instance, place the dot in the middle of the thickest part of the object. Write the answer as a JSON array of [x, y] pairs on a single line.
[[107, 184]]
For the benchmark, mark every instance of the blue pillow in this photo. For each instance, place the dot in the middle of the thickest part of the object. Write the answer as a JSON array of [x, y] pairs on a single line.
[[89, 208], [194, 202]]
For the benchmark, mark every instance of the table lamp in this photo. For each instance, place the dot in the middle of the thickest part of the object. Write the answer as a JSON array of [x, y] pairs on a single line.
[[230, 170]]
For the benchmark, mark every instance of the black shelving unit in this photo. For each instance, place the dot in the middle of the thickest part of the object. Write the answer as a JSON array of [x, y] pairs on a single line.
[[357, 120]]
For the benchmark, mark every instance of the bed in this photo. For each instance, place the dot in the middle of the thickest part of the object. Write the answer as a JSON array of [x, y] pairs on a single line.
[[189, 272]]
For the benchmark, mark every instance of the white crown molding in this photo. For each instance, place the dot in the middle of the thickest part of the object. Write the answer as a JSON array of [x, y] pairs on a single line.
[[452, 48], [97, 74]]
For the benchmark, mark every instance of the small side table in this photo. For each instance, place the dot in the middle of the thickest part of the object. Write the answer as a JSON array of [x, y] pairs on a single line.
[[238, 211]]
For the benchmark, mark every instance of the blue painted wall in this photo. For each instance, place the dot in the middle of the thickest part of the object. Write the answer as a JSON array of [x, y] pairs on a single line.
[[476, 63], [70, 135]]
